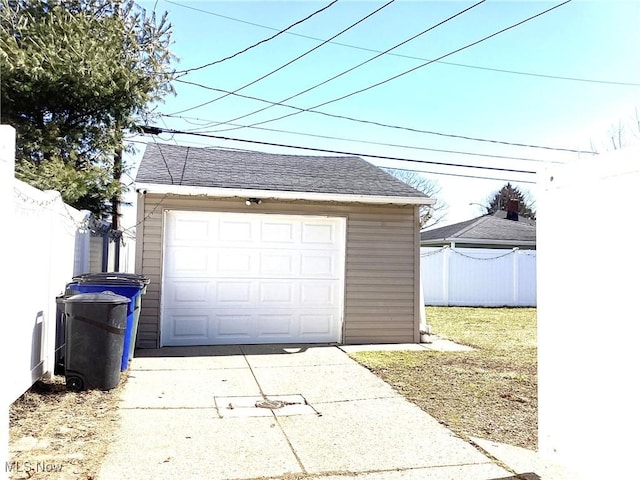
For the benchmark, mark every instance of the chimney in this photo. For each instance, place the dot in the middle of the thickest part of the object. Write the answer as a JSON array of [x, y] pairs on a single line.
[[512, 209]]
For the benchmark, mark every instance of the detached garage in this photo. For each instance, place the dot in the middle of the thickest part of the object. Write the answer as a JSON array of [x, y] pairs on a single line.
[[246, 247]]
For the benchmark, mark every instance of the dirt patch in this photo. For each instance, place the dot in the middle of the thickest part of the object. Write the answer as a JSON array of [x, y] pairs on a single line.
[[61, 434]]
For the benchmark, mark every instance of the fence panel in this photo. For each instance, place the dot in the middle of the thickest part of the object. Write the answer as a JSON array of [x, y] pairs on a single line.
[[527, 278], [478, 276], [46, 233]]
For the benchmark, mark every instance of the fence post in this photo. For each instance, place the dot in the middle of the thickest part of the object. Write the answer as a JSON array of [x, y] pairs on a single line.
[[445, 275], [7, 165], [516, 257]]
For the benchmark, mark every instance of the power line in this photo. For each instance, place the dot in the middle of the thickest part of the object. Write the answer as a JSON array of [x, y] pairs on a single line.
[[387, 125], [460, 175], [369, 142], [154, 131], [157, 130], [358, 65], [539, 75], [411, 70], [291, 61], [411, 57], [150, 214], [280, 32]]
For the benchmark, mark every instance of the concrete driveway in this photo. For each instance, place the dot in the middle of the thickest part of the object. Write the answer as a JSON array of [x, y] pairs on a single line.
[[191, 413]]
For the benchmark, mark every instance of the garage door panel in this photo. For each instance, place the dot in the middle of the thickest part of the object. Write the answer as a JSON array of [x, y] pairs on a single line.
[[278, 233], [186, 326], [190, 229], [188, 293], [233, 324], [275, 324], [315, 293], [278, 264], [271, 292], [319, 265], [252, 278], [314, 324], [236, 231], [235, 262], [234, 292], [318, 233], [180, 261]]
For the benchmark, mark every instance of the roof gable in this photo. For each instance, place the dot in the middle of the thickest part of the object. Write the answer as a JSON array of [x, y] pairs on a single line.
[[247, 170]]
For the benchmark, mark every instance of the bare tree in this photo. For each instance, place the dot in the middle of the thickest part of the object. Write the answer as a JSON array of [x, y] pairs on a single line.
[[620, 134], [430, 215]]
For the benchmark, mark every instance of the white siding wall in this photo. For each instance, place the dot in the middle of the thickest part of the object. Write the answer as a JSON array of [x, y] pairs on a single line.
[[478, 276], [589, 314], [381, 278]]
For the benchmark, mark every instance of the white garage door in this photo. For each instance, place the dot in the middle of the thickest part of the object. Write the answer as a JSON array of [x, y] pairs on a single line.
[[233, 278]]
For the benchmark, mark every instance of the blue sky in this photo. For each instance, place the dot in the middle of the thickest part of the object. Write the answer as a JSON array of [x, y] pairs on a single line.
[[466, 96]]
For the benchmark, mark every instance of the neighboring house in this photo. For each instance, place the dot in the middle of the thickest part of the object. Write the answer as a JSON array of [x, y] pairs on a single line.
[[249, 247], [487, 231], [487, 261]]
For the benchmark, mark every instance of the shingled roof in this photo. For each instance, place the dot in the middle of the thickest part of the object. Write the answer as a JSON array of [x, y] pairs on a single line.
[[484, 230], [248, 170]]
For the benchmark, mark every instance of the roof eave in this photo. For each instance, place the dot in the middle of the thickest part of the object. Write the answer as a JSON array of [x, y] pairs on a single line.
[[280, 195], [475, 241]]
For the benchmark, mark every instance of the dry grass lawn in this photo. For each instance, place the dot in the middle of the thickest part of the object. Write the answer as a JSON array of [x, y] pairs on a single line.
[[490, 392]]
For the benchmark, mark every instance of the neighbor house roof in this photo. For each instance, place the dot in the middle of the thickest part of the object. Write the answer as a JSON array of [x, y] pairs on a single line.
[[218, 172], [484, 230]]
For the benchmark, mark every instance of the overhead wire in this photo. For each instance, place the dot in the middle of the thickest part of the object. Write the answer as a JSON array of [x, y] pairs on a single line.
[[244, 50], [461, 175], [349, 70], [159, 202], [388, 125], [395, 145], [411, 70], [290, 61], [156, 130], [412, 57], [153, 130]]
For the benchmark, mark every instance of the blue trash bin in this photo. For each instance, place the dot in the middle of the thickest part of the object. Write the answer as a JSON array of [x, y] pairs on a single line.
[[125, 287]]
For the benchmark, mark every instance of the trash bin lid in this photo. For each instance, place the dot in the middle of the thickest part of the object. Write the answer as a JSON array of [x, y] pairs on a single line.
[[103, 297], [118, 278]]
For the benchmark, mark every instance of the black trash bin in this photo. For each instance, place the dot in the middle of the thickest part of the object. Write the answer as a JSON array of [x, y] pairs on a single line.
[[129, 285], [94, 340], [58, 366]]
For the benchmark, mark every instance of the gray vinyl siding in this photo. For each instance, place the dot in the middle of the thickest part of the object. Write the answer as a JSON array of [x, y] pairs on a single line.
[[381, 262]]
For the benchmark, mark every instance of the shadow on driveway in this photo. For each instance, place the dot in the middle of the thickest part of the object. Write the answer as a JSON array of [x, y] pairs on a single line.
[[227, 350]]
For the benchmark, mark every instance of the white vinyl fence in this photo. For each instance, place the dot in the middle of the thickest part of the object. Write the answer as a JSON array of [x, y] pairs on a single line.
[[478, 277], [44, 245], [47, 233]]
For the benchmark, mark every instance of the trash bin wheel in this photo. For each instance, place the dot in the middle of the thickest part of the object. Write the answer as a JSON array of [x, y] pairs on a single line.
[[75, 383]]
